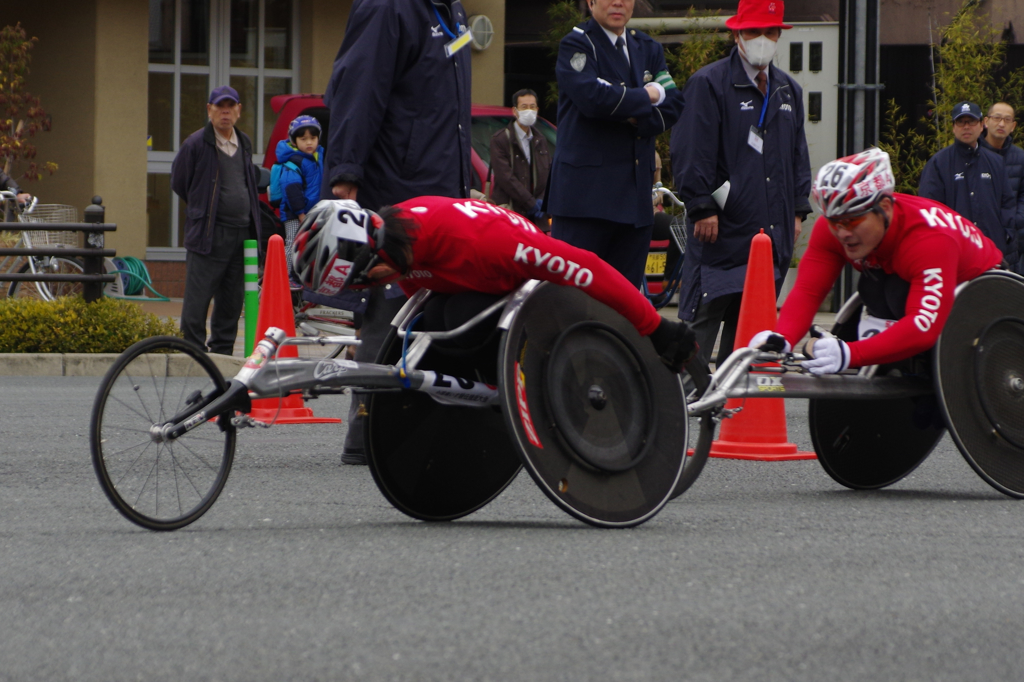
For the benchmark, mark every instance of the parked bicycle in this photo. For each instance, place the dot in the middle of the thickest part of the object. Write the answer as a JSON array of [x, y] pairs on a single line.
[[50, 265], [658, 269]]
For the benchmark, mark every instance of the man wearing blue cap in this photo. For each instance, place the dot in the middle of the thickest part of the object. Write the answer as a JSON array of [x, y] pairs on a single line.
[[214, 175], [972, 181]]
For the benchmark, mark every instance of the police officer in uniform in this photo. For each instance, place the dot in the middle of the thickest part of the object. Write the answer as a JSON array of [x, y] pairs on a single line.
[[615, 97]]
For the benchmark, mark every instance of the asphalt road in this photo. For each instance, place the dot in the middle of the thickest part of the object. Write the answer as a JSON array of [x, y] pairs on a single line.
[[302, 571]]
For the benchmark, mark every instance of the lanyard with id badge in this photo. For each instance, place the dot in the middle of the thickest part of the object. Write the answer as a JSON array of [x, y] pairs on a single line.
[[754, 138], [457, 42]]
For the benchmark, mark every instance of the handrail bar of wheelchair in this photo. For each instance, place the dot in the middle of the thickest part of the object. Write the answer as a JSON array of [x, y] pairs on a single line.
[[739, 382], [403, 329]]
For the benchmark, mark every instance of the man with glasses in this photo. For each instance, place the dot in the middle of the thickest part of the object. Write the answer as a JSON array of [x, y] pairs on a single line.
[[972, 181], [998, 136], [740, 163], [911, 253], [521, 161]]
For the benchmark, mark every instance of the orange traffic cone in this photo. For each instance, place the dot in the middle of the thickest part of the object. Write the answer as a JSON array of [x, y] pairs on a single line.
[[758, 431], [276, 311]]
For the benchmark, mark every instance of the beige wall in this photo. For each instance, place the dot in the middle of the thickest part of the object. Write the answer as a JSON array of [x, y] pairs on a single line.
[[62, 76], [121, 78], [489, 65], [85, 69], [321, 26]]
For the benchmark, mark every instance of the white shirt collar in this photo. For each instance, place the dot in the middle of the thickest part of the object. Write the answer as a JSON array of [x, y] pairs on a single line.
[[228, 146]]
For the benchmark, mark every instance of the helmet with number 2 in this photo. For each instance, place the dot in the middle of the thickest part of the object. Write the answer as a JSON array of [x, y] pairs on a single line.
[[853, 184], [334, 246]]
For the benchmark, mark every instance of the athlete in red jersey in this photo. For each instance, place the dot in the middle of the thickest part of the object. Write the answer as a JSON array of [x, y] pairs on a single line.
[[911, 253], [453, 246]]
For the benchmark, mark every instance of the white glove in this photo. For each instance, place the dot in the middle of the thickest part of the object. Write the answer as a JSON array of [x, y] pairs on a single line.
[[830, 356], [762, 338]]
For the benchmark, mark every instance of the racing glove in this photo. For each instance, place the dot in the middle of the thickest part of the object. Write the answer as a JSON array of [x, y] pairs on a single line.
[[828, 354], [675, 343], [770, 341]]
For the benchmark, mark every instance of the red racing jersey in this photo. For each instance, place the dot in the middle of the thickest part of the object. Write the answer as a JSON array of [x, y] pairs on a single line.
[[465, 245], [926, 244]]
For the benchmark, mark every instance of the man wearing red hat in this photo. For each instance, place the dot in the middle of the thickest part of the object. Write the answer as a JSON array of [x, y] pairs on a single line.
[[740, 163]]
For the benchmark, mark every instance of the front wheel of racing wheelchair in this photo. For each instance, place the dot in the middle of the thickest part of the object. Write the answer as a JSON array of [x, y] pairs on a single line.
[[158, 483], [585, 405], [977, 368]]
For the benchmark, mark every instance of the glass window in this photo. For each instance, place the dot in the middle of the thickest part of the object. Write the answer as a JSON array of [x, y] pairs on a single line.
[[271, 88], [815, 57], [277, 35], [796, 57], [161, 31], [158, 209], [195, 32], [245, 26], [161, 108], [195, 91], [246, 87]]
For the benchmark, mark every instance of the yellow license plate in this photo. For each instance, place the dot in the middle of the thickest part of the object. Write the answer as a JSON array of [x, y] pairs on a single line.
[[656, 263]]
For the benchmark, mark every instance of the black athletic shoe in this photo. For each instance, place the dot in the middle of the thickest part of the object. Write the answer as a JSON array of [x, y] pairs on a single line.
[[357, 457]]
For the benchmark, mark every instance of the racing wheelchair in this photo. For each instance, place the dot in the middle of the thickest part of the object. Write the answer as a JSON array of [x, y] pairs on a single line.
[[567, 390], [544, 378]]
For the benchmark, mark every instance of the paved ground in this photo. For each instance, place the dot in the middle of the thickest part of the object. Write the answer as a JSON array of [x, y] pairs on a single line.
[[302, 571]]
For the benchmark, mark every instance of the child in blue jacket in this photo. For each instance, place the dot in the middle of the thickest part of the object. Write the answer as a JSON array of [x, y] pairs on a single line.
[[302, 169]]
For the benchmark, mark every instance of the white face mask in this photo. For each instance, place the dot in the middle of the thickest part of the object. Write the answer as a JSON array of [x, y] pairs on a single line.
[[760, 51], [527, 117]]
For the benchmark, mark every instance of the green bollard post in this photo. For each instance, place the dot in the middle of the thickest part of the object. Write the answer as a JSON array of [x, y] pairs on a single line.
[[252, 294]]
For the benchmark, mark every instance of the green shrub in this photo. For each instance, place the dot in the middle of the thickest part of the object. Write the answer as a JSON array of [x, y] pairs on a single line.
[[70, 325]]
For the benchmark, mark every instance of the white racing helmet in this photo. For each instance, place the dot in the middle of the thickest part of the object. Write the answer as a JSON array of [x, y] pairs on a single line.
[[331, 243], [853, 184]]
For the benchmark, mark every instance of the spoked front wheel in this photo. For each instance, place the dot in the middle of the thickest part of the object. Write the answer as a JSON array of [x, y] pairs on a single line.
[[158, 484], [47, 291]]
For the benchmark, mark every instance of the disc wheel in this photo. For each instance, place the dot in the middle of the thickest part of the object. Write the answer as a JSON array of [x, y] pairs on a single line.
[[436, 462], [599, 422], [159, 485], [979, 371], [48, 290]]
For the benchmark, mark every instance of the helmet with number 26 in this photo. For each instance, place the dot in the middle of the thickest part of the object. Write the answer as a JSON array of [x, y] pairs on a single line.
[[853, 184]]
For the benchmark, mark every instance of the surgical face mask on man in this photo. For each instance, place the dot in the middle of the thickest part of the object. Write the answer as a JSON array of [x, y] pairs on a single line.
[[527, 117], [760, 51]]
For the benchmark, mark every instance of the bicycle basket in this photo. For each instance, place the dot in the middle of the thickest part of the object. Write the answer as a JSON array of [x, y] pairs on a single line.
[[52, 213]]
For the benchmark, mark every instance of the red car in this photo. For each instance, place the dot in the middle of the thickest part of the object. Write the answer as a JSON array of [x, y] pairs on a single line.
[[487, 119]]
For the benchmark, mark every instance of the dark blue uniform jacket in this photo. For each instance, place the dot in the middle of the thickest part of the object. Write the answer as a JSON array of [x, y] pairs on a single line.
[[1013, 161], [400, 124], [604, 164], [973, 183], [768, 191], [400, 107]]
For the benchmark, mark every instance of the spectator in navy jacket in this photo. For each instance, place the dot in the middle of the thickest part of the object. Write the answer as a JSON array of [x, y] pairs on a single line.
[[972, 181], [998, 136], [214, 175], [739, 157], [400, 126], [615, 96]]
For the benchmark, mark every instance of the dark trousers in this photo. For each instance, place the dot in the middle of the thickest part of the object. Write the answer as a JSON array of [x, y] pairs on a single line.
[[375, 327], [622, 246], [723, 312], [218, 276]]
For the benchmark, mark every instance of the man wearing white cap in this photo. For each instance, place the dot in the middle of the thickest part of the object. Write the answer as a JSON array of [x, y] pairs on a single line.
[[739, 157]]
